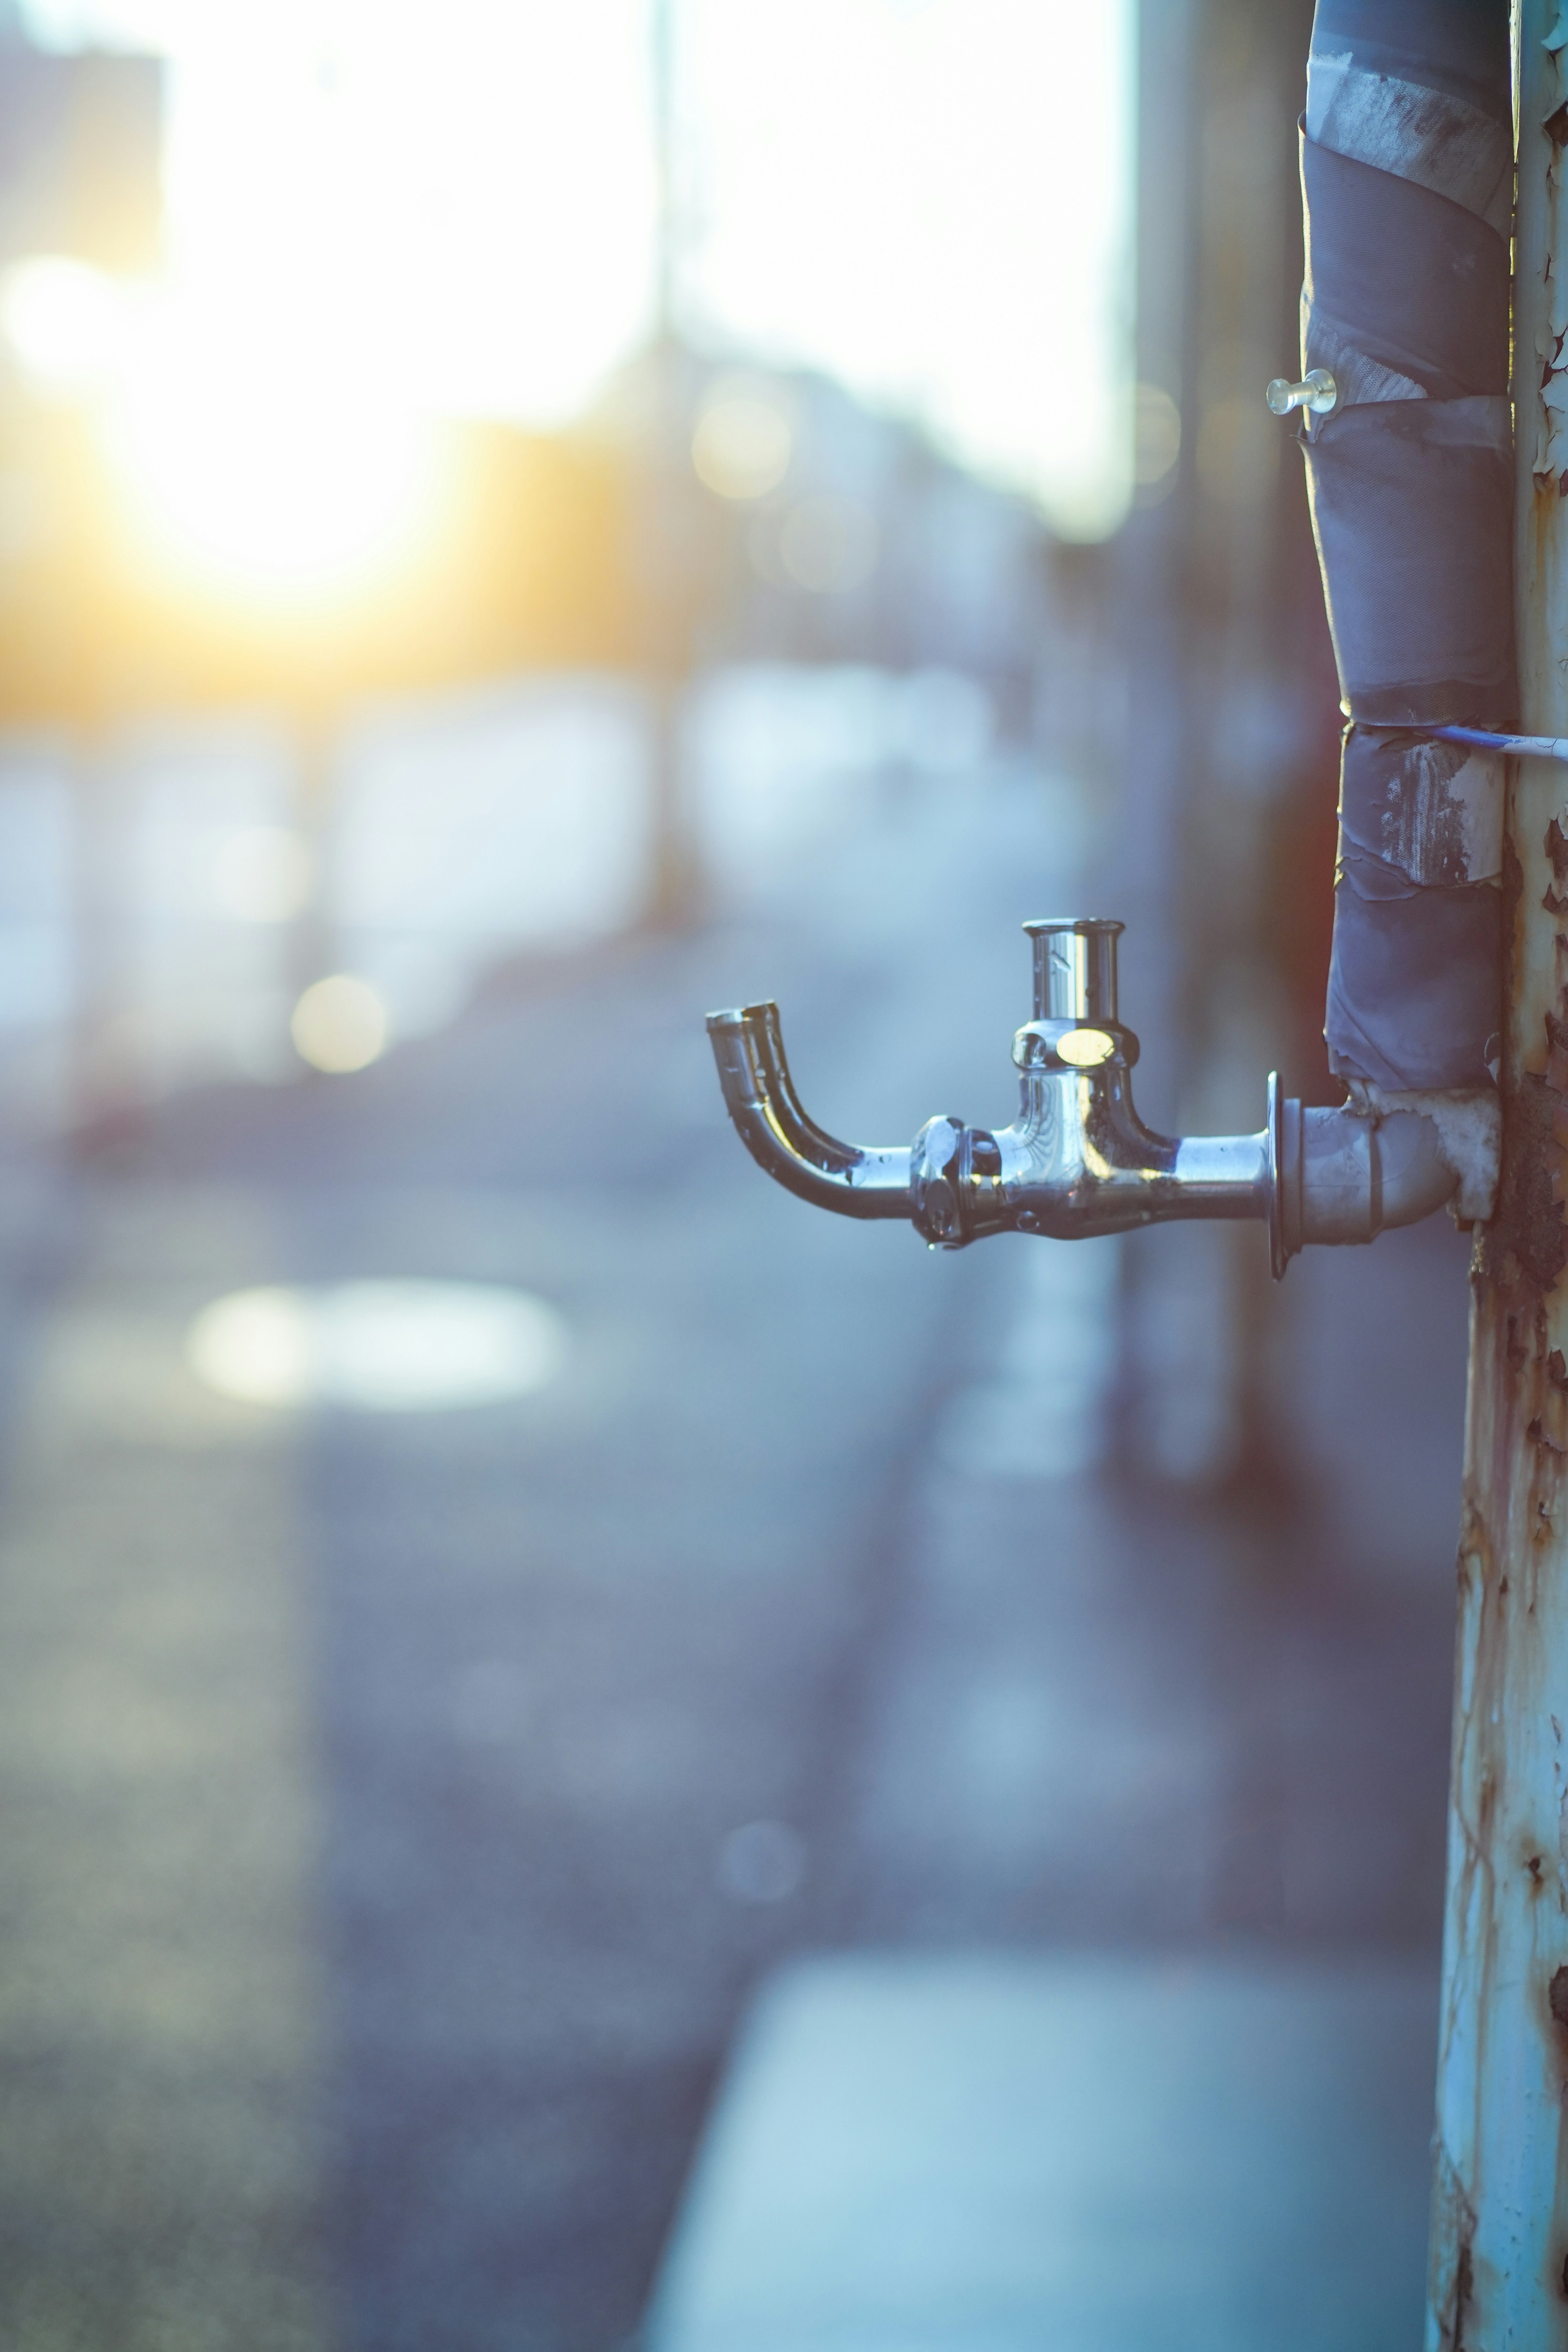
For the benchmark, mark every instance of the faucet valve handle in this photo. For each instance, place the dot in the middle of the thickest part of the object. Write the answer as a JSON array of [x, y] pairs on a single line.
[[936, 1183], [954, 1177]]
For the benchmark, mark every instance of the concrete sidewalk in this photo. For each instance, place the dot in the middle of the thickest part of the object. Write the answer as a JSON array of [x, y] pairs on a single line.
[[1008, 2154]]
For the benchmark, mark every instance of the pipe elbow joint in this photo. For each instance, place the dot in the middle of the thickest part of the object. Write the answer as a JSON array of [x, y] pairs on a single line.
[[1387, 1159]]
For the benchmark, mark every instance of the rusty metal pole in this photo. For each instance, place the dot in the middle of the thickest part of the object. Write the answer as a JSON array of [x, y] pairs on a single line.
[[1500, 2236]]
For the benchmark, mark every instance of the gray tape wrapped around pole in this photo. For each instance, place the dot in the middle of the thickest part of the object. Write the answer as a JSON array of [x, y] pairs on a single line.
[[1407, 172]]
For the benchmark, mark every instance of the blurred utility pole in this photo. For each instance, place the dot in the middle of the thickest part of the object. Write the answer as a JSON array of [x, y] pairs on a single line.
[[665, 585], [1500, 2239], [667, 259], [311, 953], [1222, 614], [1157, 533]]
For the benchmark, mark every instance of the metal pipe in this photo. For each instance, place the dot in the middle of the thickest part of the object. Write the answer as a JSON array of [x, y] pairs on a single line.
[[1406, 174]]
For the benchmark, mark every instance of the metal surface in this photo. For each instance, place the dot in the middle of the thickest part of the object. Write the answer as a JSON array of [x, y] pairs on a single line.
[[1499, 2240], [1078, 1160], [1317, 391], [760, 1098]]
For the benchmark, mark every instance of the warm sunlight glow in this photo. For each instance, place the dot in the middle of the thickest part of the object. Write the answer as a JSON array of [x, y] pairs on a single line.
[[929, 200], [280, 478], [64, 321]]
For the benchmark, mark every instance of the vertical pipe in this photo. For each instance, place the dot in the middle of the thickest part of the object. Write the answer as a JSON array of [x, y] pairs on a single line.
[[1500, 2237], [1075, 968]]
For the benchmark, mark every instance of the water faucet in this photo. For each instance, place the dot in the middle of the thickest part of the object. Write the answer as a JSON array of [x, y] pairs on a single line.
[[1078, 1160]]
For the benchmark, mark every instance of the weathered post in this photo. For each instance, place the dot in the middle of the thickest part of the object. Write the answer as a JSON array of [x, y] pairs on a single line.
[[1500, 2240]]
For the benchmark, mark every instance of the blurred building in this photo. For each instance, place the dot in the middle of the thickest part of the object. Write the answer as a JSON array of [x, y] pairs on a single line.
[[80, 152], [780, 518]]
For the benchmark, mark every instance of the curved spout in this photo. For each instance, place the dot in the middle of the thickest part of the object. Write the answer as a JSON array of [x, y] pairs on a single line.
[[759, 1095]]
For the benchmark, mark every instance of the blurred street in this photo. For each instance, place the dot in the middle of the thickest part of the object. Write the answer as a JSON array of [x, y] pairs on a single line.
[[397, 1809]]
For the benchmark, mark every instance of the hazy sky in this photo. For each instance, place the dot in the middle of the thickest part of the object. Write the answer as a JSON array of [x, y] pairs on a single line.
[[455, 207]]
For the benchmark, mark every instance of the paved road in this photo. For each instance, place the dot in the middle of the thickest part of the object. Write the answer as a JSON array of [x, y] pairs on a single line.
[[375, 1918]]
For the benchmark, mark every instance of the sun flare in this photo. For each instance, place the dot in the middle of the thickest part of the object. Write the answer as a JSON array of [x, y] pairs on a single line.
[[279, 484]]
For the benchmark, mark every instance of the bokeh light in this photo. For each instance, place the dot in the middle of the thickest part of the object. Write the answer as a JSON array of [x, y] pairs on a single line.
[[744, 439], [377, 1347], [762, 1862], [340, 1025]]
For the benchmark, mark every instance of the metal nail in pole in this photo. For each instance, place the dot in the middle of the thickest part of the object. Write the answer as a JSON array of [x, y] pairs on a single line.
[[1500, 2253]]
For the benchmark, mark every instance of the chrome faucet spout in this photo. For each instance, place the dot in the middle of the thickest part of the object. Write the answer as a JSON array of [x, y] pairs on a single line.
[[1078, 1160], [759, 1095]]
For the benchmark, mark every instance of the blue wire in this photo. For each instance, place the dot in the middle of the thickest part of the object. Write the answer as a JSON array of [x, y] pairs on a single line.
[[1521, 747]]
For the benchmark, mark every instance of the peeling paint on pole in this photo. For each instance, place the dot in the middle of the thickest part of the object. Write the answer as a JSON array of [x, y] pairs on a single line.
[[1500, 2240]]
